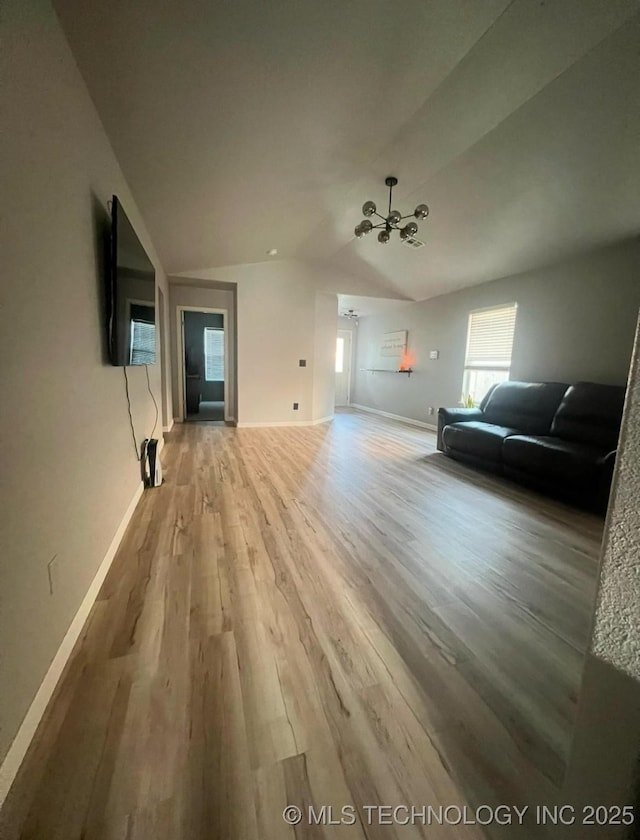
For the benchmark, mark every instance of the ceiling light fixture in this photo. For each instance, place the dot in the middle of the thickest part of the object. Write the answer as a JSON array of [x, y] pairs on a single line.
[[391, 221], [351, 314]]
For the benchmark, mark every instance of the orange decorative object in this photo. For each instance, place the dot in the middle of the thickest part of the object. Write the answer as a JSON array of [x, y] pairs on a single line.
[[406, 362]]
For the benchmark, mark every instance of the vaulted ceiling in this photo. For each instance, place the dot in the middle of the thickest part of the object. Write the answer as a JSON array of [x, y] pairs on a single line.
[[249, 125]]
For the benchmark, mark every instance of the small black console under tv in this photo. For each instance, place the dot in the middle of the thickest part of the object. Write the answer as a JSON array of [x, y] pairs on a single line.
[[131, 295]]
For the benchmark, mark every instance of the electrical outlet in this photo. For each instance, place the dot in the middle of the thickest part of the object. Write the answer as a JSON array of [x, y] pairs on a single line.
[[431, 409], [434, 355], [296, 406]]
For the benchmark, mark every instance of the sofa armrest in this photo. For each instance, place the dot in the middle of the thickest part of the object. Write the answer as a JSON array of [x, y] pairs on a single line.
[[446, 416], [459, 415]]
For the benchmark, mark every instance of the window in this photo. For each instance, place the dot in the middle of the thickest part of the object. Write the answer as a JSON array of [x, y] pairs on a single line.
[[213, 354], [340, 355], [489, 345], [143, 342]]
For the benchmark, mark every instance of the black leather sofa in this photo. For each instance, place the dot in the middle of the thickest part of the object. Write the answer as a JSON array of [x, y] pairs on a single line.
[[559, 439]]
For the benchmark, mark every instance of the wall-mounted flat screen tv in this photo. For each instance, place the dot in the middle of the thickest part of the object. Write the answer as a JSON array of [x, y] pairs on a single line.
[[131, 287]]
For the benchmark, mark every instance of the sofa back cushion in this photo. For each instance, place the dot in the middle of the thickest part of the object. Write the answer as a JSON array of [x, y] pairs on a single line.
[[527, 406], [590, 413]]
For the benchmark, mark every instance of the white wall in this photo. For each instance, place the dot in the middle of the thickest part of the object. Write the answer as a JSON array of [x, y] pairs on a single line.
[[69, 470], [281, 320], [276, 326], [575, 321]]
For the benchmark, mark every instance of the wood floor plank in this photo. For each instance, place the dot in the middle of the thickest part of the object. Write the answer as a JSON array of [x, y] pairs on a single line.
[[334, 615], [219, 798]]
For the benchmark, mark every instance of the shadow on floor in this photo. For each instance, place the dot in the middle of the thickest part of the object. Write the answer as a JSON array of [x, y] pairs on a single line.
[[208, 411]]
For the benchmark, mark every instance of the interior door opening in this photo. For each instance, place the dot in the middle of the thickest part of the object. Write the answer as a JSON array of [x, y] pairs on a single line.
[[204, 362], [343, 368]]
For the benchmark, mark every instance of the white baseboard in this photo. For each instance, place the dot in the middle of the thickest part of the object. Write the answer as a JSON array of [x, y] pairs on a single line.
[[20, 745], [169, 427], [408, 420], [286, 423]]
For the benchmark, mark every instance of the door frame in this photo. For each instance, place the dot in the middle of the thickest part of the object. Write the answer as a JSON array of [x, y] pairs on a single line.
[[164, 347], [350, 334], [180, 310]]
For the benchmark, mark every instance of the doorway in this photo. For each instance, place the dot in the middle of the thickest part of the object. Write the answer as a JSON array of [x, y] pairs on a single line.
[[203, 372], [343, 367]]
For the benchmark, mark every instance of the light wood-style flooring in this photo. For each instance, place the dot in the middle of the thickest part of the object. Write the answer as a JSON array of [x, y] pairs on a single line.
[[333, 615]]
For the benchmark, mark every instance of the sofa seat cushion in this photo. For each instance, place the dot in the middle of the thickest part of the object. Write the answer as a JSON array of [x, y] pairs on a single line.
[[553, 458], [482, 440]]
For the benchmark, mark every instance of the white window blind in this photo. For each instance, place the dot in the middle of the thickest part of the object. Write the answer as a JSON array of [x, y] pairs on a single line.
[[143, 343], [489, 345], [490, 338], [213, 354]]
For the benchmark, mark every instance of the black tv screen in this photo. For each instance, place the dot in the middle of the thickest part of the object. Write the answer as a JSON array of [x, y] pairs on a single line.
[[131, 303]]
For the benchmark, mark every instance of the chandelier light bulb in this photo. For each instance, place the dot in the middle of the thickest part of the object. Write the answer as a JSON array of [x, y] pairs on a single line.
[[411, 228], [394, 217], [368, 208], [421, 211], [384, 236], [366, 226], [358, 231]]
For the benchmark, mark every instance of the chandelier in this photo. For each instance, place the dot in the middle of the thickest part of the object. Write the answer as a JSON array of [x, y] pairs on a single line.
[[392, 219], [351, 314]]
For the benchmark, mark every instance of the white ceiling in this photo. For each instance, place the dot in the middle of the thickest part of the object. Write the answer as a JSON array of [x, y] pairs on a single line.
[[250, 125]]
